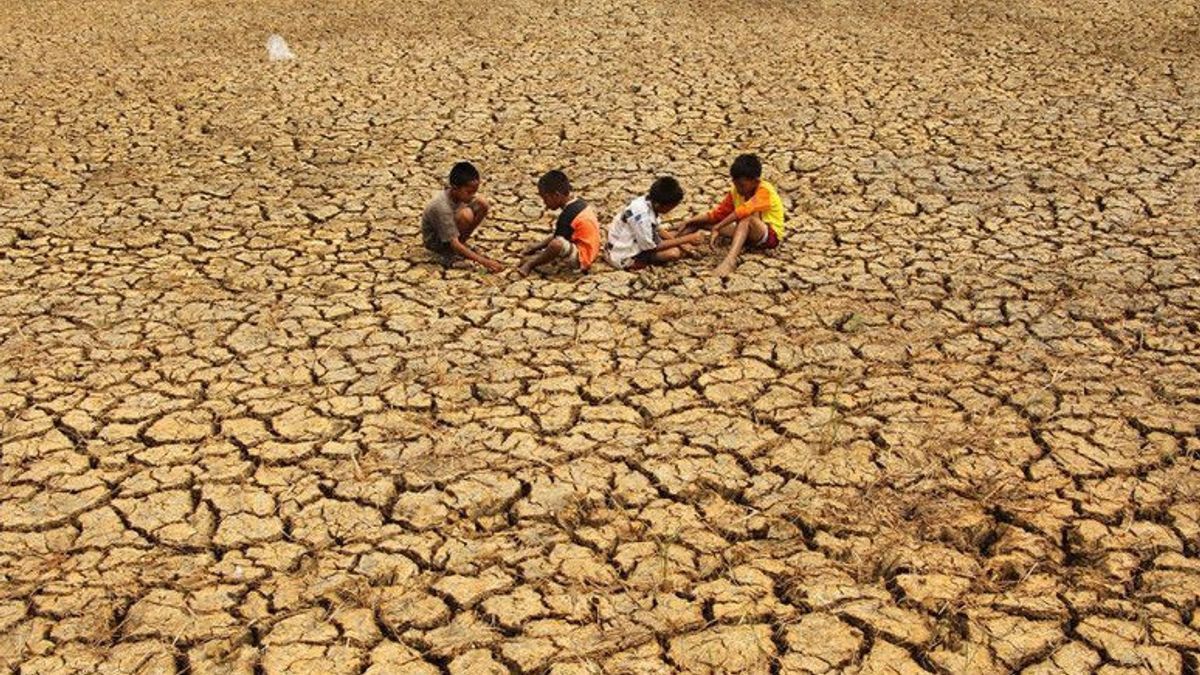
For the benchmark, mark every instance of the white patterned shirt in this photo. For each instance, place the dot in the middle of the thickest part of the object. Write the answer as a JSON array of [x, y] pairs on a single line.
[[634, 229]]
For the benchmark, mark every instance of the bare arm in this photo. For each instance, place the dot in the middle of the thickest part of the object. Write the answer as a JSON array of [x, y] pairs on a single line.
[[683, 240], [466, 252], [714, 219], [534, 248], [732, 217], [696, 222]]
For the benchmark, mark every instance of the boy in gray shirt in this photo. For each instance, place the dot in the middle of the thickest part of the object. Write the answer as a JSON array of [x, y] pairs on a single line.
[[452, 216]]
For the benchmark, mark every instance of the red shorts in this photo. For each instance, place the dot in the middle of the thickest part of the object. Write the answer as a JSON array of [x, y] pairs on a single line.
[[769, 241]]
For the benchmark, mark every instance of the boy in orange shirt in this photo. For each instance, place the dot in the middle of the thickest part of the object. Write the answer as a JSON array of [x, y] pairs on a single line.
[[576, 237], [751, 212]]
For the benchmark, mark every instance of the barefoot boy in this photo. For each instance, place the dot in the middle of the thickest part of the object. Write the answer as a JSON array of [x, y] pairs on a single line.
[[635, 238], [452, 216], [751, 213], [576, 237]]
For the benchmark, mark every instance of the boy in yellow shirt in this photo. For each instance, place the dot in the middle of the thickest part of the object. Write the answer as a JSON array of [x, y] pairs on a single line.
[[751, 214]]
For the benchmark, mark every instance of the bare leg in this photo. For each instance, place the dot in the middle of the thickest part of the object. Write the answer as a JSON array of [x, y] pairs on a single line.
[[667, 256], [685, 250], [745, 228], [553, 250], [464, 218], [729, 264], [469, 217]]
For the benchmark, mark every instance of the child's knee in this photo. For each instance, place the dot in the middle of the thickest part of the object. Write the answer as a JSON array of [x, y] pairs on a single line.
[[464, 217], [558, 246], [752, 225], [480, 206]]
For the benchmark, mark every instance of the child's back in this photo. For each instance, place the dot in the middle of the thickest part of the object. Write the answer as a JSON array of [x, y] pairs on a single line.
[[438, 227], [634, 230], [579, 224]]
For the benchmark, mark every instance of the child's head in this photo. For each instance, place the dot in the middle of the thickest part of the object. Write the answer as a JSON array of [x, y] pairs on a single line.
[[554, 189], [464, 181], [746, 171], [665, 194]]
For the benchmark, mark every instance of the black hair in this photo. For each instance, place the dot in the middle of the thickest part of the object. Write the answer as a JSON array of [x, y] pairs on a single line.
[[666, 191], [746, 166], [554, 182], [463, 173]]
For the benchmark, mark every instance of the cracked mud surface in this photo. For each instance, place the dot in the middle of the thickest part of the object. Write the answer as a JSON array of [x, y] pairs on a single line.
[[250, 426]]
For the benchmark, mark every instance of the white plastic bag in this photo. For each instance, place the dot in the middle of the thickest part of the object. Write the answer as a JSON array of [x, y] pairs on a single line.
[[277, 49]]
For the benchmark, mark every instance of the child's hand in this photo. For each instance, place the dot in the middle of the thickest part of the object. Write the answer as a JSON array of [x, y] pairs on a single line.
[[712, 240], [494, 266]]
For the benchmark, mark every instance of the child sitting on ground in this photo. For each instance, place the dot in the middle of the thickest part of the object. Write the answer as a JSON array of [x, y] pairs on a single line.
[[634, 237], [751, 212], [454, 214], [576, 237]]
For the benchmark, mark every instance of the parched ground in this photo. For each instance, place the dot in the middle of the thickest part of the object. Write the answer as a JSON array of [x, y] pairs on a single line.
[[249, 426]]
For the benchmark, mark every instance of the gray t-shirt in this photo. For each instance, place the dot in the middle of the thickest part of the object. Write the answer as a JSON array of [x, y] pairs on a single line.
[[437, 223]]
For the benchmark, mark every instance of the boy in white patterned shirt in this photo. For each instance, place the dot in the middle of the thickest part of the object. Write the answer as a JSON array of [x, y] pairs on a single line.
[[635, 238]]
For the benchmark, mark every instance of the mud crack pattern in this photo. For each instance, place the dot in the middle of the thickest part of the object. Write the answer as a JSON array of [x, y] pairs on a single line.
[[249, 426]]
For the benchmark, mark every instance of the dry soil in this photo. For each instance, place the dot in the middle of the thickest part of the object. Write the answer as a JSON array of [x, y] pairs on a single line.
[[250, 426]]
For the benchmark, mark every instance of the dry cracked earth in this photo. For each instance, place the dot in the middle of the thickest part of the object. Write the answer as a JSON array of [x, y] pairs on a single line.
[[250, 426]]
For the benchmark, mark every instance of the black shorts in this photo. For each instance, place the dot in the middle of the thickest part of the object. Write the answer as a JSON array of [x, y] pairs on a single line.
[[641, 260]]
